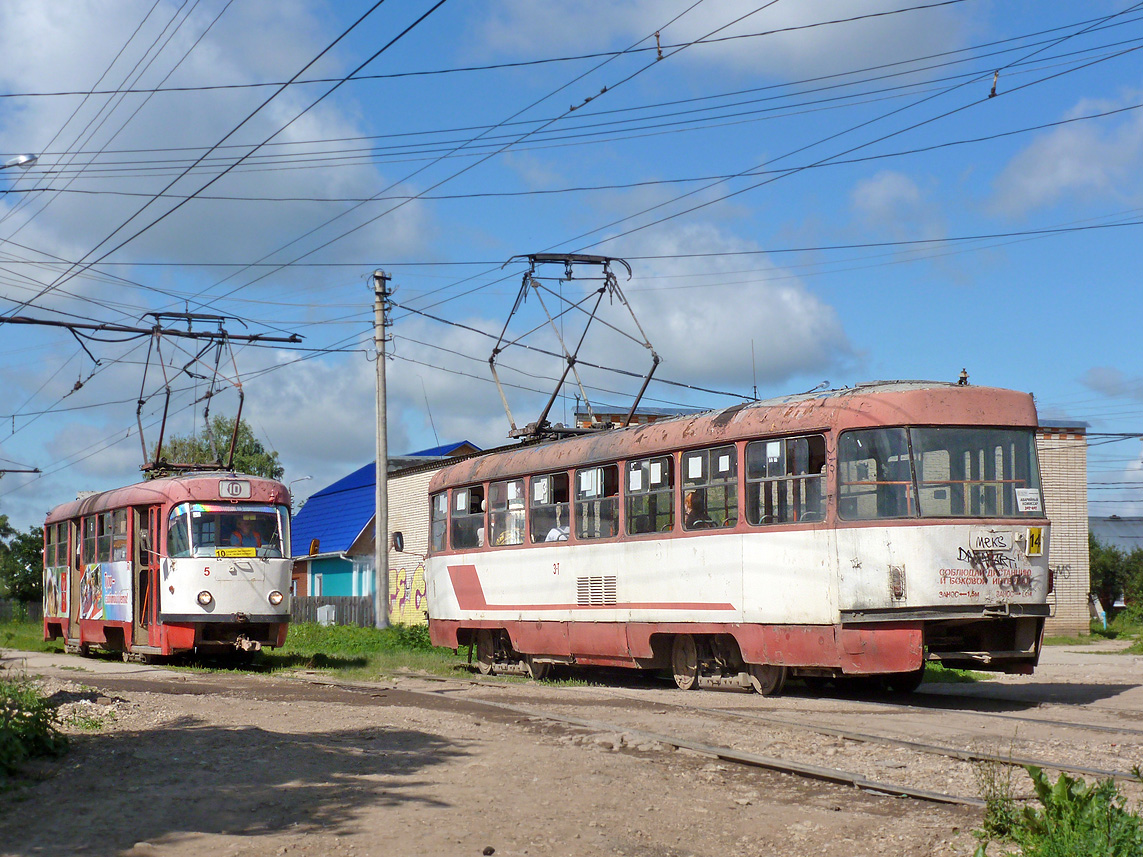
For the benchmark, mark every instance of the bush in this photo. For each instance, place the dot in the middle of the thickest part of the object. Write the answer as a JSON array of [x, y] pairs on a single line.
[[28, 725], [1075, 820]]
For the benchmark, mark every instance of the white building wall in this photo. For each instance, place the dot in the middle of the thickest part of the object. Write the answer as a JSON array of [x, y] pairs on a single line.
[[1063, 468]]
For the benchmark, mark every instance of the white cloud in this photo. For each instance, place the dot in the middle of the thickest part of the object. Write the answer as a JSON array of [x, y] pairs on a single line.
[[51, 47], [1082, 162], [1112, 382], [893, 203]]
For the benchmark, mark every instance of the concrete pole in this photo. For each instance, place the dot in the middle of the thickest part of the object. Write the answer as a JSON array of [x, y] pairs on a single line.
[[381, 509]]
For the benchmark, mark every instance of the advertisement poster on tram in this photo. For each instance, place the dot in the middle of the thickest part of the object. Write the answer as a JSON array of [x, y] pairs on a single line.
[[105, 592], [56, 591]]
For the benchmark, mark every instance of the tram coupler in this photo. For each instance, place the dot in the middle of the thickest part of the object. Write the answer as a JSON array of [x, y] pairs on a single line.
[[245, 644]]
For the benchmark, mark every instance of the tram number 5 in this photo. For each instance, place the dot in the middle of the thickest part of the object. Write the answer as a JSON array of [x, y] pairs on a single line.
[[555, 568]]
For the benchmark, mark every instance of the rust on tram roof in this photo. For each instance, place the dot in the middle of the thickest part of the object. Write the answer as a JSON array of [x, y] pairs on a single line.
[[867, 405]]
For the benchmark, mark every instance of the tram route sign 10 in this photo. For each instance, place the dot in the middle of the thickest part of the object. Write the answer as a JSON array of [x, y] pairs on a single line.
[[234, 489]]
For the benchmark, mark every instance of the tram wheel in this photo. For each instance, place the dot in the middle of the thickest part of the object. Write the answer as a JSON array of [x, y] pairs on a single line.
[[904, 683], [767, 679], [536, 669], [485, 651], [684, 662]]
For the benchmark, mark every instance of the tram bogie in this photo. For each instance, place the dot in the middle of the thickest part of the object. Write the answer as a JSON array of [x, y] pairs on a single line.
[[858, 532]]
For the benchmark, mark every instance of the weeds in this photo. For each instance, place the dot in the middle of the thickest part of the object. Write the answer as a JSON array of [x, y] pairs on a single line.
[[28, 725], [1074, 819]]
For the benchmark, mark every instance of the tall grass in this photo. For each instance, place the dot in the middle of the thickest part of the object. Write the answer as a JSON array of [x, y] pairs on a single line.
[[28, 725]]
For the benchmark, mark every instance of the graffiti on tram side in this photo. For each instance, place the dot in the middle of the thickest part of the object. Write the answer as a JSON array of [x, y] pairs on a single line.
[[987, 566], [407, 596]]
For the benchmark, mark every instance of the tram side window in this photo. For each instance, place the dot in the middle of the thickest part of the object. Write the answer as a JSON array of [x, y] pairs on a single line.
[[874, 475], [506, 512], [50, 546], [785, 480], [57, 547], [438, 516], [90, 539], [118, 535], [468, 517], [650, 495], [597, 502], [106, 531], [550, 519], [710, 488]]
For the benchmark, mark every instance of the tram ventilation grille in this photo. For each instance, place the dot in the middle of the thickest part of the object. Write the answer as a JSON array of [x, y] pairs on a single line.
[[591, 591]]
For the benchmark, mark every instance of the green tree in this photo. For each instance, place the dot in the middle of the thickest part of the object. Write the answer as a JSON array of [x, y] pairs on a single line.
[[1108, 571], [249, 454], [21, 562]]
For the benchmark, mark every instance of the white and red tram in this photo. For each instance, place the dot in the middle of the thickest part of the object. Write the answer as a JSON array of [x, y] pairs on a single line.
[[853, 532], [193, 562]]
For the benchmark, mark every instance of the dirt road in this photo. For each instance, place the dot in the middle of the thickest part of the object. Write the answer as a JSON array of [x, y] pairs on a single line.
[[252, 766]]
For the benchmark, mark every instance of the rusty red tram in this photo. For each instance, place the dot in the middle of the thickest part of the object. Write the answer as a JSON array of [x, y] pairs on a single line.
[[853, 532], [192, 562]]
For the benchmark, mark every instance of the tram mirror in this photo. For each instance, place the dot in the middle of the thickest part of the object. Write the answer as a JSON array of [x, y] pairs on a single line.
[[314, 545], [398, 541]]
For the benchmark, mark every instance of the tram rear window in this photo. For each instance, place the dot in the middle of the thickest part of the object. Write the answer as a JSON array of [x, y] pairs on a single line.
[[938, 472]]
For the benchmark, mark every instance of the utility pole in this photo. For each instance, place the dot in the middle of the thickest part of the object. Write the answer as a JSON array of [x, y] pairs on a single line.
[[381, 295]]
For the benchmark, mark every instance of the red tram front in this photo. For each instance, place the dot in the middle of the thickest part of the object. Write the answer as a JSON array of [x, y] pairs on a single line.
[[195, 562]]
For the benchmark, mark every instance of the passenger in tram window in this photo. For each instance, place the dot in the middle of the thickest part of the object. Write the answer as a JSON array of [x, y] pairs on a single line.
[[694, 511], [558, 533]]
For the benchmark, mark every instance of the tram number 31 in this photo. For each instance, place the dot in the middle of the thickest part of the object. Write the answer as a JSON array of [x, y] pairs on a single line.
[[555, 568]]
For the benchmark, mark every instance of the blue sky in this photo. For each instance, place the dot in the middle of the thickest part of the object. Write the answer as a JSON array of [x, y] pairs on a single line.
[[802, 199]]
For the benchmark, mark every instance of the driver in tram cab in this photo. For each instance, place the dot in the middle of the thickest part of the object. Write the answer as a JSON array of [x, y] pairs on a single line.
[[245, 536]]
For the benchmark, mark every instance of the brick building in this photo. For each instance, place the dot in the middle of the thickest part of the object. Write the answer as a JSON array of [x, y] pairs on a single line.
[[1062, 449]]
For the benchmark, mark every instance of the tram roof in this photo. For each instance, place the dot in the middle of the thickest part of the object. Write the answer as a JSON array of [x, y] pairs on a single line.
[[199, 486], [879, 403]]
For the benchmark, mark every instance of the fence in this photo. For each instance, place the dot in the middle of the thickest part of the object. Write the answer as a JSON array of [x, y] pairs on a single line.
[[348, 609], [15, 611]]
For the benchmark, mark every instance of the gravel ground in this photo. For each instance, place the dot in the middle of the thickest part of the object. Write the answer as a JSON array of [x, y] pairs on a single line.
[[175, 763]]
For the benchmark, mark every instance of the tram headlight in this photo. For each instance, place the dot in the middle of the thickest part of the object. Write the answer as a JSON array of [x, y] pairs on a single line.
[[205, 598], [276, 597]]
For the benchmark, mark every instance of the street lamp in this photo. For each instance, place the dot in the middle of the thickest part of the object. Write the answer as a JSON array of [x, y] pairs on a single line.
[[289, 486], [21, 161]]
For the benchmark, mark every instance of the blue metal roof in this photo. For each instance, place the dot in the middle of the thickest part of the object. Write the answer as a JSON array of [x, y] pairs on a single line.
[[337, 514], [447, 449]]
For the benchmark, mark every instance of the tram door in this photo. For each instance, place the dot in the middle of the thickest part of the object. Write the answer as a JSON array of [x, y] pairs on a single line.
[[74, 574], [143, 564]]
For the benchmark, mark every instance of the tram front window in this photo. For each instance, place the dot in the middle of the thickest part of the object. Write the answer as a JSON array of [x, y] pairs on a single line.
[[204, 530], [938, 472]]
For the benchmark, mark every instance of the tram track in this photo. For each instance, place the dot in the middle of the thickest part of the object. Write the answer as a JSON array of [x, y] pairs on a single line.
[[918, 746], [954, 754]]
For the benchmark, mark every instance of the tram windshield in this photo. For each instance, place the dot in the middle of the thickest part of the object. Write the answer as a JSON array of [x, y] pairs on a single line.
[[938, 472], [224, 529]]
